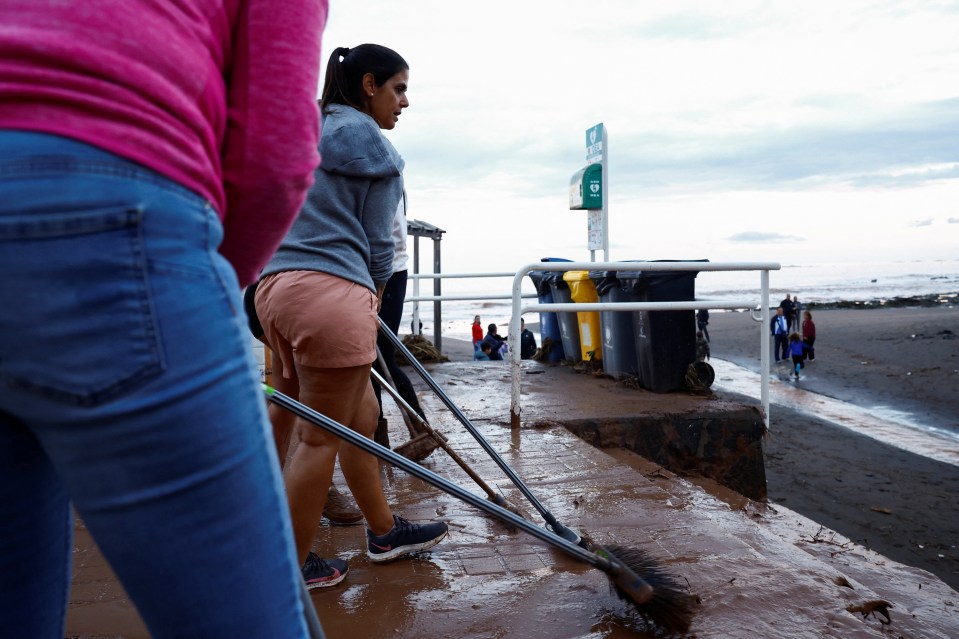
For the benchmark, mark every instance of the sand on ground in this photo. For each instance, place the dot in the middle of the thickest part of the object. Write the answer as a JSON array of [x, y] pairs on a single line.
[[899, 504], [902, 505]]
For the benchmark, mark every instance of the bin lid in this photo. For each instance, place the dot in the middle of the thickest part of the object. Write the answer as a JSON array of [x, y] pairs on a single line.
[[639, 279], [638, 272], [603, 280], [576, 276], [539, 281], [603, 274], [555, 278]]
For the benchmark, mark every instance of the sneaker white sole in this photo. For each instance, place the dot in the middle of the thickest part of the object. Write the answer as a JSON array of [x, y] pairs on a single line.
[[327, 583], [401, 551]]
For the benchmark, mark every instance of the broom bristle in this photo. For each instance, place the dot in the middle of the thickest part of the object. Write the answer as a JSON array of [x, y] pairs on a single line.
[[670, 607]]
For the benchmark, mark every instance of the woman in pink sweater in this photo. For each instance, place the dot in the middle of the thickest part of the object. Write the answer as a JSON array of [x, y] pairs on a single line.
[[152, 156]]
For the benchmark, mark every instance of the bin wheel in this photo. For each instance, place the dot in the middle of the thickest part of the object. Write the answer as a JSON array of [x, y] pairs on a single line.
[[705, 373]]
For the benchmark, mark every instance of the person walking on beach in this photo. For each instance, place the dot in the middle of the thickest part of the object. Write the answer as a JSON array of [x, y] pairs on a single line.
[[797, 314], [789, 312], [702, 322], [796, 351], [809, 336], [318, 300], [779, 329], [154, 154]]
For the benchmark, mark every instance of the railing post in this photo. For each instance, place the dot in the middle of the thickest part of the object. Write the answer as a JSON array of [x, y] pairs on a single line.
[[764, 345], [415, 326], [437, 305], [514, 348]]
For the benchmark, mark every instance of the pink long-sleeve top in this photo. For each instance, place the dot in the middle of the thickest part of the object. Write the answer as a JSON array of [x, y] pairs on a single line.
[[219, 96]]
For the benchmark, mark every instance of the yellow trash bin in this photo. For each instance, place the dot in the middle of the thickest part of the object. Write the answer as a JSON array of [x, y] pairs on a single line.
[[582, 290]]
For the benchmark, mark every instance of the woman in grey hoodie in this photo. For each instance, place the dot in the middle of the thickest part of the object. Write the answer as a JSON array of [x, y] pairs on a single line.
[[318, 300]]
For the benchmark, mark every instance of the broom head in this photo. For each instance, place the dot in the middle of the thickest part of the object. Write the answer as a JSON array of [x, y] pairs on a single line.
[[640, 580]]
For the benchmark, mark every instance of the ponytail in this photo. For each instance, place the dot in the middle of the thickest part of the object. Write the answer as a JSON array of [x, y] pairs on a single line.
[[343, 83]]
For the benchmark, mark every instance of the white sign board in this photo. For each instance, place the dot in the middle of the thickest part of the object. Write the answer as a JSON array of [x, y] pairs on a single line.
[[595, 230], [596, 152]]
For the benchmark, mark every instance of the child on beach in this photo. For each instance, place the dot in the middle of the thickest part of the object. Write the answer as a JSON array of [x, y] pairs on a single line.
[[483, 353], [796, 351]]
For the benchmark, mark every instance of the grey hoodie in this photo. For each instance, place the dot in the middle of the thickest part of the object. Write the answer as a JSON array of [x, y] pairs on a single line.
[[345, 225]]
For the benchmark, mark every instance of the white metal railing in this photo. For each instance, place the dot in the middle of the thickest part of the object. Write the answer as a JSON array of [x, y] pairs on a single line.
[[437, 300], [518, 310]]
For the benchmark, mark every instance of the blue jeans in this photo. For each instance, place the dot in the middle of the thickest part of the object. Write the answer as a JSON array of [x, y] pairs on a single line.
[[128, 389]]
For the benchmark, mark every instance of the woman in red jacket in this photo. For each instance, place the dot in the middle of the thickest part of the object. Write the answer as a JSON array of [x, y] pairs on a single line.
[[477, 332], [808, 336]]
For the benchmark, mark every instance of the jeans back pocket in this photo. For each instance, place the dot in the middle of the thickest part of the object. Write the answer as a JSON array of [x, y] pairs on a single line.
[[77, 322]]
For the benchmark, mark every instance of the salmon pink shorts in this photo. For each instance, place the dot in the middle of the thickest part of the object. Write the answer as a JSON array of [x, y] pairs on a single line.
[[317, 320]]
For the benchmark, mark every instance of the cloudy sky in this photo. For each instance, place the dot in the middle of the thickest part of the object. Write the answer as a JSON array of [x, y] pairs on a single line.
[[805, 132]]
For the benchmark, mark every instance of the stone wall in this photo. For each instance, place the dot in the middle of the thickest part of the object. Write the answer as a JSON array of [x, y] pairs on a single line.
[[726, 446]]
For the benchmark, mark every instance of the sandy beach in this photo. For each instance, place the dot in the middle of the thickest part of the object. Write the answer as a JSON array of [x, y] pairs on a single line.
[[902, 505], [899, 504]]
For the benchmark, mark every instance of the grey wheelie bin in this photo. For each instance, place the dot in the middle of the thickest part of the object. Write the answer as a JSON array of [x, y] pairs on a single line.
[[616, 327], [665, 340], [568, 324]]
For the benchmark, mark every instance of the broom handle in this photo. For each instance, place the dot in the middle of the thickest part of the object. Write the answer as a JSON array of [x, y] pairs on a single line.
[[436, 437], [386, 373], [411, 467], [548, 516], [622, 575]]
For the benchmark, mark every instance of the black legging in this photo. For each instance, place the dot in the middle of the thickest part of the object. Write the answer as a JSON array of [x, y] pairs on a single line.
[[391, 312]]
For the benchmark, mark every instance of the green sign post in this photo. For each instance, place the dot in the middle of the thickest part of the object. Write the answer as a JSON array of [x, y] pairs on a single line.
[[588, 190]]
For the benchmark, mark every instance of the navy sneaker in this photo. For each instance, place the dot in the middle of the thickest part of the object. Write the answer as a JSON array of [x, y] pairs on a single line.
[[322, 573], [403, 539]]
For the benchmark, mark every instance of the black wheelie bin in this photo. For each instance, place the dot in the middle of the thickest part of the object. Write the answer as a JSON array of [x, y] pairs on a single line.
[[665, 340]]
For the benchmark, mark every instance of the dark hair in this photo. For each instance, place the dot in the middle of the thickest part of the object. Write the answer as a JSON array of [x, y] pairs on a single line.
[[346, 68], [491, 328]]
